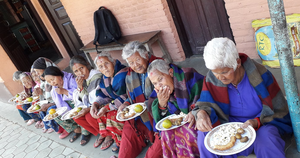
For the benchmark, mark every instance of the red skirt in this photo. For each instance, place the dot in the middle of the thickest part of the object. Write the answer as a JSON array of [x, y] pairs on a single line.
[[110, 126]]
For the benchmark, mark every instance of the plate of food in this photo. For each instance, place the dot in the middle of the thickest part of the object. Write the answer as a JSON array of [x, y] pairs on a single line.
[[36, 107], [12, 100], [72, 113], [53, 113], [171, 122], [229, 138], [131, 111]]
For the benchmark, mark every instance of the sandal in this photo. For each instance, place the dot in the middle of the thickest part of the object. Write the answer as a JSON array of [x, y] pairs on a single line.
[[44, 130], [115, 148], [30, 122], [50, 130], [98, 141], [74, 136], [107, 142], [37, 124], [85, 138]]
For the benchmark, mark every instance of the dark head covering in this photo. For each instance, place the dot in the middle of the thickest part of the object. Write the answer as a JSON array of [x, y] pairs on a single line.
[[42, 63], [54, 71]]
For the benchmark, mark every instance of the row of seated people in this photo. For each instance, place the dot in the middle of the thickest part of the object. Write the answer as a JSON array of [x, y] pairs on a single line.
[[236, 89]]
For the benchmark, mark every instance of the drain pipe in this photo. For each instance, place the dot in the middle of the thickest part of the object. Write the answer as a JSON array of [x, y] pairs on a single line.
[[285, 54]]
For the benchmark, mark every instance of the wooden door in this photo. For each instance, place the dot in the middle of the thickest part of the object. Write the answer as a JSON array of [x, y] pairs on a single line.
[[63, 25], [198, 21], [12, 47]]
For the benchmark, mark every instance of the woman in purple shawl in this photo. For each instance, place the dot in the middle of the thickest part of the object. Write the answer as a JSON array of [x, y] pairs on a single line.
[[63, 85]]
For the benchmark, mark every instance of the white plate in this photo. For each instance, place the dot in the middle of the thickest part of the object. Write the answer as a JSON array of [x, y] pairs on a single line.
[[59, 111], [238, 146], [66, 116], [131, 108], [12, 100], [29, 110], [159, 126]]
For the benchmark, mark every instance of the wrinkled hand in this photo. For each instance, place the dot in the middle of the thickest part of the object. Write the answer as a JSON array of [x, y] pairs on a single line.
[[38, 91], [45, 107], [61, 91], [102, 112], [94, 111], [124, 105], [163, 96], [190, 118], [79, 80], [252, 122], [203, 122], [83, 112]]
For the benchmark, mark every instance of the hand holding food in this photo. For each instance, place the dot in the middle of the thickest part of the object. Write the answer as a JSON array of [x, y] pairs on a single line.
[[163, 95]]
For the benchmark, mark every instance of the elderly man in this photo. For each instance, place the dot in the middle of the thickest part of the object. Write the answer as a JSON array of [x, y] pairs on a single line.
[[137, 131], [176, 91], [238, 89]]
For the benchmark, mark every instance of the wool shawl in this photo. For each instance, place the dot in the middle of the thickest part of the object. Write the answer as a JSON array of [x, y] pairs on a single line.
[[70, 85], [214, 97], [136, 95], [187, 88], [91, 82], [113, 89]]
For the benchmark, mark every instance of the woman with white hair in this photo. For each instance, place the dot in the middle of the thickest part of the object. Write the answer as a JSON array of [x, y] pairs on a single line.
[[111, 93], [139, 87], [238, 89], [176, 90]]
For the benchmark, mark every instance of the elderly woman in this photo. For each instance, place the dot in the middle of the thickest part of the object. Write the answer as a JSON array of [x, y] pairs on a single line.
[[176, 90], [29, 84], [250, 94], [110, 95], [87, 80], [139, 87], [63, 84], [24, 114]]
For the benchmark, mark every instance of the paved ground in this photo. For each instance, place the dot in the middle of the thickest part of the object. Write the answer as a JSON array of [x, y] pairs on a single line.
[[19, 140]]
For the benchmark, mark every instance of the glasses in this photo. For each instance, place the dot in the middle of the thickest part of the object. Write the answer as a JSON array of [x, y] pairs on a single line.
[[223, 73]]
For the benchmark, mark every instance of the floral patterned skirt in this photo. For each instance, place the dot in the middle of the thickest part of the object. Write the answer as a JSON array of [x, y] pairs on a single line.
[[180, 142]]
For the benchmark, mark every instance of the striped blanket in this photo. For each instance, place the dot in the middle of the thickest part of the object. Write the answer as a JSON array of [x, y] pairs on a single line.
[[113, 88], [187, 89], [215, 101], [136, 95]]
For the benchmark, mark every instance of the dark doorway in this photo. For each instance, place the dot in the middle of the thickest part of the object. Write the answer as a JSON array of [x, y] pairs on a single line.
[[198, 21], [30, 41], [63, 25]]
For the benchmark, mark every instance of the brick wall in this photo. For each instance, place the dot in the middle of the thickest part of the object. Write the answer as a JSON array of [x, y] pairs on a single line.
[[242, 12], [134, 16]]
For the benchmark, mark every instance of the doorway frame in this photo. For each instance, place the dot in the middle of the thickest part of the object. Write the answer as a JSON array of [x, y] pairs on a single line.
[[39, 20]]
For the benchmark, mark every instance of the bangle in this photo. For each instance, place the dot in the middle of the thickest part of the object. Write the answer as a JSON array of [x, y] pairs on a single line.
[[258, 123], [162, 108]]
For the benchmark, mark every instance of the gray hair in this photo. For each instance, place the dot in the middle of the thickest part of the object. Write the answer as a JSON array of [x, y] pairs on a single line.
[[79, 60], [104, 54], [133, 47], [220, 53], [23, 74], [159, 65], [16, 75]]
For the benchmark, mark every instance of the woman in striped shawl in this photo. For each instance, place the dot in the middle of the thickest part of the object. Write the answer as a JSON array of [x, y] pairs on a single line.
[[176, 90], [238, 89], [110, 95]]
